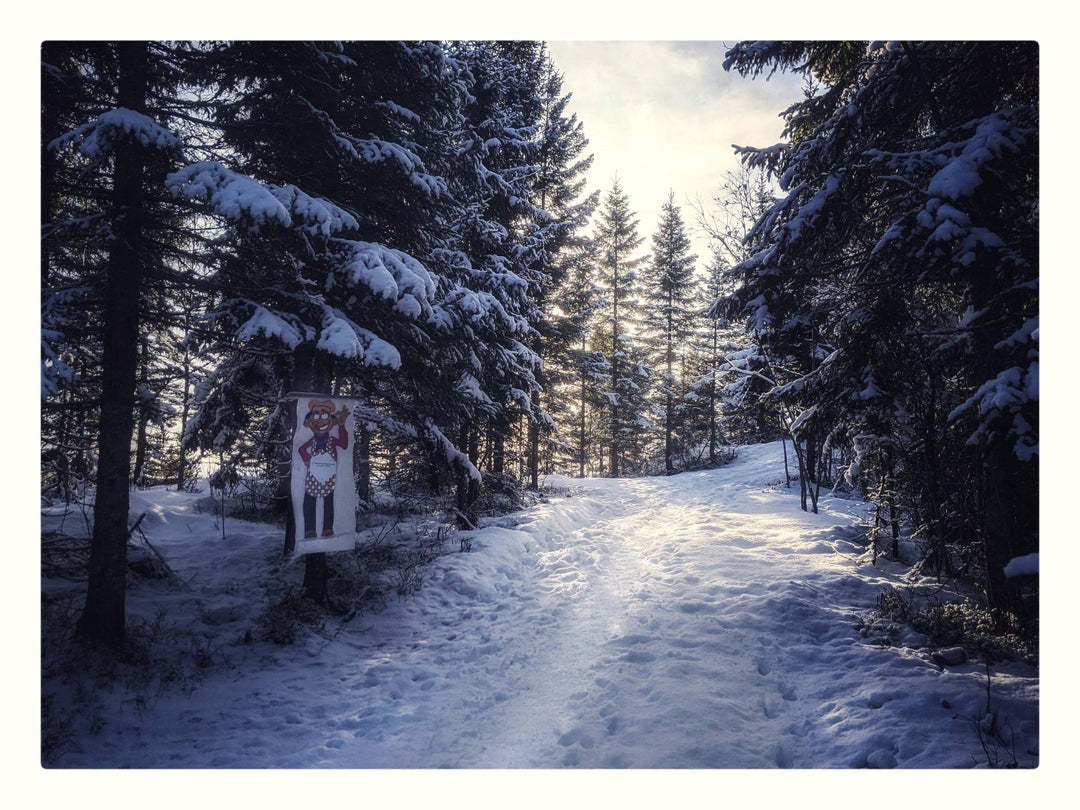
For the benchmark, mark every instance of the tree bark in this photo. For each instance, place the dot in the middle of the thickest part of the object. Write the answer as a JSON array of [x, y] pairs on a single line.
[[104, 615], [316, 567], [581, 426], [498, 448], [363, 463], [185, 415], [534, 443]]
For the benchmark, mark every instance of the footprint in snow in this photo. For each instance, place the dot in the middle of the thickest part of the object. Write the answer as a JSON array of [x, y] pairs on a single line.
[[769, 708], [883, 758]]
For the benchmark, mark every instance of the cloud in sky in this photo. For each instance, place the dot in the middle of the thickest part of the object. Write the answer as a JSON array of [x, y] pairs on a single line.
[[663, 117]]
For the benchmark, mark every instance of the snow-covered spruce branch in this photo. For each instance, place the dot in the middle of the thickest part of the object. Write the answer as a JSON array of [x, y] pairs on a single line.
[[98, 139]]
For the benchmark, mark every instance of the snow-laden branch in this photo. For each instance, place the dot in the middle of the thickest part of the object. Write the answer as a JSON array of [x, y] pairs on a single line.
[[233, 196], [388, 273], [341, 337], [274, 325], [454, 457], [99, 137]]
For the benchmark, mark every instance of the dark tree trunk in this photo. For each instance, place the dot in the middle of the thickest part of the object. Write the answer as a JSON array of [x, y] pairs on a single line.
[[712, 398], [316, 577], [1008, 488], [582, 459], [310, 374], [534, 443], [103, 618], [615, 436], [614, 449], [316, 568], [473, 444], [142, 443], [284, 486], [363, 463], [669, 417], [498, 448], [302, 381], [468, 488], [185, 415]]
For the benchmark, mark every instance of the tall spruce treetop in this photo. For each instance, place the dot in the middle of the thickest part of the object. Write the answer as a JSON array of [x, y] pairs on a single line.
[[617, 242], [670, 295], [671, 291], [563, 209], [558, 189]]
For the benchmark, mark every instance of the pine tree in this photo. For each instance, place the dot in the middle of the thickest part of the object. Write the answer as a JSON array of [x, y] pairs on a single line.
[[107, 111], [617, 241], [558, 188], [580, 373], [497, 245], [669, 299], [902, 267]]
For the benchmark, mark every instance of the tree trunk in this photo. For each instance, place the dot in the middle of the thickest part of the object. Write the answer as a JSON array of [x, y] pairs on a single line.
[[284, 485], [303, 373], [316, 577], [104, 614], [615, 437], [363, 463], [613, 461], [311, 373], [534, 443], [712, 396], [142, 441], [185, 415], [141, 444], [498, 448], [581, 425], [316, 569]]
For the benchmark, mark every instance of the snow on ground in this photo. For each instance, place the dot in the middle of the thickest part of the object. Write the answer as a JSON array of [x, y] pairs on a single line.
[[696, 621]]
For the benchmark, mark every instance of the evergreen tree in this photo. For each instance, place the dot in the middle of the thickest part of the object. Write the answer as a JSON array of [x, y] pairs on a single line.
[[580, 374], [617, 241], [109, 231], [669, 297], [500, 251], [902, 267], [562, 295]]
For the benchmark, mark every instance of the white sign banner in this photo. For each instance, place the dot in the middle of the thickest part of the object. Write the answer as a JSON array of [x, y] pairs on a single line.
[[323, 491]]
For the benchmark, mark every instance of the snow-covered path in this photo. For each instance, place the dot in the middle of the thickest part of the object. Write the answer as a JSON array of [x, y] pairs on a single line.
[[671, 632], [696, 621]]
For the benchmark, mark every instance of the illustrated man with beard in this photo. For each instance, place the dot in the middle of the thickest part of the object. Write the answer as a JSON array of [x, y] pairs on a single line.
[[320, 457]]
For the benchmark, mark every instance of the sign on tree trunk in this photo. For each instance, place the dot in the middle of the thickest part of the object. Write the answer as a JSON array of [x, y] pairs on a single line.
[[323, 494]]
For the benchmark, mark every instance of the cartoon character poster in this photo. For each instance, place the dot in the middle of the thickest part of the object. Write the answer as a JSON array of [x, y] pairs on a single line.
[[323, 493]]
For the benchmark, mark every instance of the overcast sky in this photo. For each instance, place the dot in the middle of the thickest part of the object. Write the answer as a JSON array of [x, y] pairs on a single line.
[[664, 115]]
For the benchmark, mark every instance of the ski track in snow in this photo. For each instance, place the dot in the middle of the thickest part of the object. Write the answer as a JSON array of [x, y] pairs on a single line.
[[696, 621]]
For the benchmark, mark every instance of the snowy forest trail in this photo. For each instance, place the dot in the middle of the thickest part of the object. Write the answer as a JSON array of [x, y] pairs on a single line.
[[643, 634], [696, 621]]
